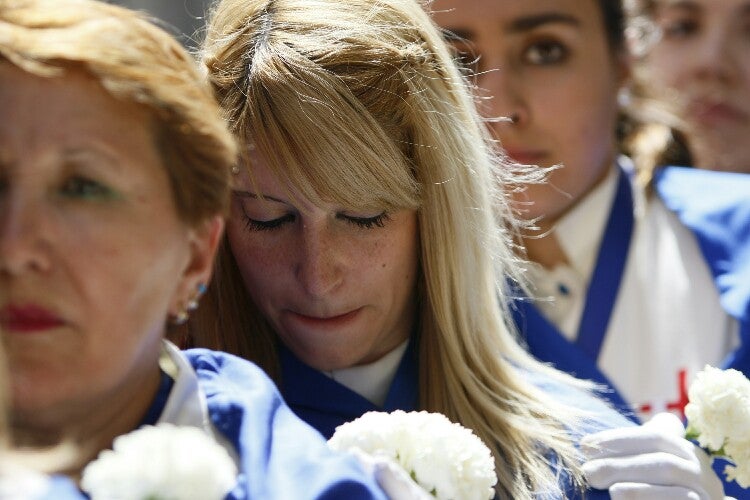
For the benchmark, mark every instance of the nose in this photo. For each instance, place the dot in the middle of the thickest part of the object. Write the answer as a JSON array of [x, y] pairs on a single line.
[[23, 247], [505, 106], [319, 267]]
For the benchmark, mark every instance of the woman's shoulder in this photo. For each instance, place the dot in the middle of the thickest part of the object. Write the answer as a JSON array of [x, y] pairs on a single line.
[[272, 443], [715, 207], [704, 194], [23, 484], [228, 368]]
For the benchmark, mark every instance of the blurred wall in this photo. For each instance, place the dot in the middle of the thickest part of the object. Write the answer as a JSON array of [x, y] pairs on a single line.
[[183, 17]]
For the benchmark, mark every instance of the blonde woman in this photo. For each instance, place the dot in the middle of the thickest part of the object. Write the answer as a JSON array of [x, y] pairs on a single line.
[[368, 243]]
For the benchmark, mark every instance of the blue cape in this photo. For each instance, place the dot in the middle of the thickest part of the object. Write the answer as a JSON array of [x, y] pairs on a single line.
[[325, 403]]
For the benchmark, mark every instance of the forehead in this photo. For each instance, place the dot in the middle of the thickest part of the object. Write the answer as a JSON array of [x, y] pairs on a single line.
[[706, 5], [48, 119], [727, 9], [511, 16], [72, 106]]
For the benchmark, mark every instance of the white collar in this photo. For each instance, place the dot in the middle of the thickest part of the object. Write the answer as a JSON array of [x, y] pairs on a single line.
[[580, 231], [373, 380], [186, 404]]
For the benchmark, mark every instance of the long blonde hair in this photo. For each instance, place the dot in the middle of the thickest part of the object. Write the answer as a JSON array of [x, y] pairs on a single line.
[[359, 102]]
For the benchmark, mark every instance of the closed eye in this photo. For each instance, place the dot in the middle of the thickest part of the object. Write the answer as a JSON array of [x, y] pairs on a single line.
[[267, 225], [366, 222]]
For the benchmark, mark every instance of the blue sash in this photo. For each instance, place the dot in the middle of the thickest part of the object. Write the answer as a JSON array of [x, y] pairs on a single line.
[[325, 404], [610, 266], [547, 343]]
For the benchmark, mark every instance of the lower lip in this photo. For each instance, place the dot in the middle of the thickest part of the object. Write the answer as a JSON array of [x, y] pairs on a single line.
[[526, 158], [333, 322], [717, 114], [29, 325]]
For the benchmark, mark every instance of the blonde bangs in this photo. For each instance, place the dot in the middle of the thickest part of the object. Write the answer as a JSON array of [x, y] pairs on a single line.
[[320, 138]]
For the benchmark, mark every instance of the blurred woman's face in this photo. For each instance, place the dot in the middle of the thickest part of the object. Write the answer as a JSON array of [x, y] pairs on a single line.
[[547, 64], [92, 252], [701, 65], [337, 284]]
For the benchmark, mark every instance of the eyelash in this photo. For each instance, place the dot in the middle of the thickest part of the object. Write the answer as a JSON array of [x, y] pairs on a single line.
[[360, 222], [82, 187]]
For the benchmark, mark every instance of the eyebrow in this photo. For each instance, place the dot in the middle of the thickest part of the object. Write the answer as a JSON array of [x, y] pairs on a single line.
[[248, 194], [679, 4], [694, 6], [91, 153], [528, 23]]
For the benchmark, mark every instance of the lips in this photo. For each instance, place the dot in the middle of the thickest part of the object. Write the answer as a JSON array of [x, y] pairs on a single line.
[[525, 156], [28, 319], [324, 322], [716, 112]]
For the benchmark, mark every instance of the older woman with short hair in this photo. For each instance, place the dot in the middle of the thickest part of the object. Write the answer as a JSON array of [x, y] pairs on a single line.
[[114, 180]]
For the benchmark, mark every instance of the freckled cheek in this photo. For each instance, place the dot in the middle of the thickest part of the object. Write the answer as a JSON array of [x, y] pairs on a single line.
[[265, 266]]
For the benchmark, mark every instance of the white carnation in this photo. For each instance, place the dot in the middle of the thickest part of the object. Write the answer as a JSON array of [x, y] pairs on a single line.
[[740, 454], [162, 462], [719, 418], [444, 458]]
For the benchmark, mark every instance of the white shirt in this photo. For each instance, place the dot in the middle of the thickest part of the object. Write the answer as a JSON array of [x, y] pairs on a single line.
[[373, 380], [667, 322], [562, 290]]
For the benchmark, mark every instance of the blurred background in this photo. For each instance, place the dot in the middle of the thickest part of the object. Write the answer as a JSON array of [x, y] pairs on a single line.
[[183, 18]]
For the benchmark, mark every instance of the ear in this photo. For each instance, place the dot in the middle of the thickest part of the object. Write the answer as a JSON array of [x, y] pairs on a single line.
[[204, 241]]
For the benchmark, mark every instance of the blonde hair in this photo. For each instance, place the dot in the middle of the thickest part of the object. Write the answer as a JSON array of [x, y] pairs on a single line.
[[359, 102], [136, 61]]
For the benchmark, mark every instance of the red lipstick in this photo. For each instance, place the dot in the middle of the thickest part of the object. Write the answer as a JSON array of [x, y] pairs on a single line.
[[28, 319]]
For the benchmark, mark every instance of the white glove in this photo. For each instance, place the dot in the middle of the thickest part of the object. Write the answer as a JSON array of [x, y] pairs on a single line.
[[391, 477], [652, 461]]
